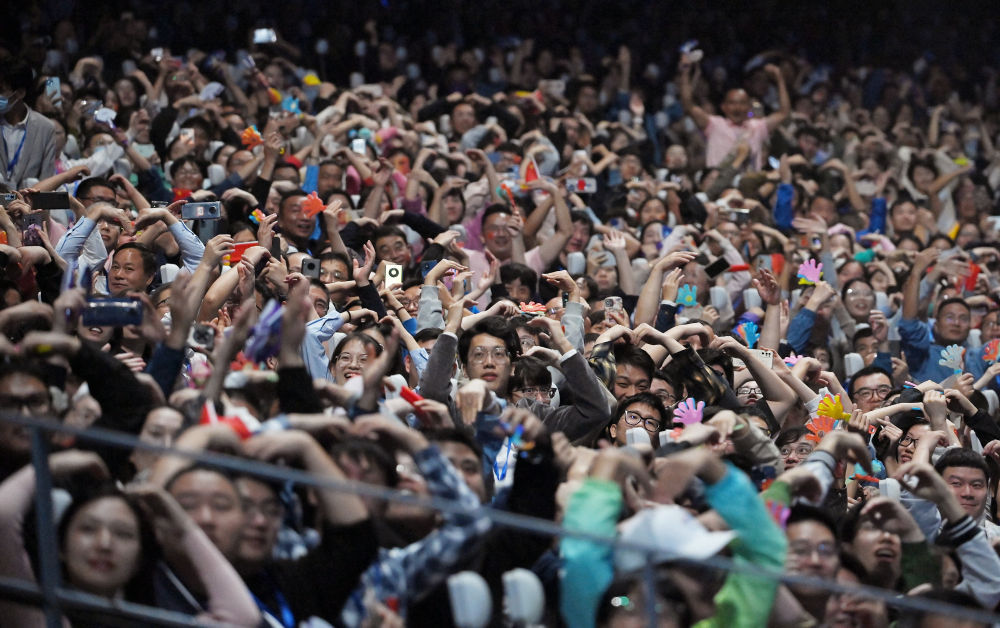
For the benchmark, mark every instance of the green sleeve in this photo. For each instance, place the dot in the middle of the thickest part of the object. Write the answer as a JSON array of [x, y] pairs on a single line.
[[746, 600], [588, 567]]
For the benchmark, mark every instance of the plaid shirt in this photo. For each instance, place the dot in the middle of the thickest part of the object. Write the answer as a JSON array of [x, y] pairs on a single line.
[[406, 573]]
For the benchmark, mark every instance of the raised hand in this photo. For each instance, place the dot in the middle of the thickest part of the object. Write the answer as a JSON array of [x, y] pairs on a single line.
[[767, 287]]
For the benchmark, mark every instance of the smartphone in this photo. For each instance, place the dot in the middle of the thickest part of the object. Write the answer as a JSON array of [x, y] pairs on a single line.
[[393, 275], [201, 336], [34, 219], [766, 356], [112, 312], [358, 146], [613, 304], [310, 267], [187, 136], [157, 54], [716, 268], [586, 185], [8, 197], [276, 247], [773, 162], [50, 200], [264, 36], [53, 89], [202, 211]]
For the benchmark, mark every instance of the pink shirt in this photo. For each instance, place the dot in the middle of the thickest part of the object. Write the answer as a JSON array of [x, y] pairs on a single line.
[[723, 135]]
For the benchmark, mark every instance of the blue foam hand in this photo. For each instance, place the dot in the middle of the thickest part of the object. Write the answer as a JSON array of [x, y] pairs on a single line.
[[291, 105], [750, 333], [688, 295]]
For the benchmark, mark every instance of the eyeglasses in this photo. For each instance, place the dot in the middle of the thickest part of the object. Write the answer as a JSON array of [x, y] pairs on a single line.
[[866, 394], [802, 451], [668, 398], [906, 441], [386, 250], [328, 274], [534, 391], [860, 294], [951, 318], [33, 403], [749, 390], [110, 223], [823, 550], [478, 355], [634, 418], [186, 171], [345, 359]]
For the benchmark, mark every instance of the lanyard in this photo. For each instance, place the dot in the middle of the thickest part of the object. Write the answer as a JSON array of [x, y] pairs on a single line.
[[17, 154], [287, 618]]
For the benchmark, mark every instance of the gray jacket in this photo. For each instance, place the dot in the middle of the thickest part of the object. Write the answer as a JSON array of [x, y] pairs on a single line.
[[580, 422]]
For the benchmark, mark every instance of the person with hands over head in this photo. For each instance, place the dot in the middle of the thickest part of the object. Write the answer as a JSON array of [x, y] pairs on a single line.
[[725, 131], [405, 574], [949, 523], [111, 541], [922, 344], [318, 583]]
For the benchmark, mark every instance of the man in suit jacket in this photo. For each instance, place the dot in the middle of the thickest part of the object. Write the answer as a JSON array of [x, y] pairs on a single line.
[[28, 149]]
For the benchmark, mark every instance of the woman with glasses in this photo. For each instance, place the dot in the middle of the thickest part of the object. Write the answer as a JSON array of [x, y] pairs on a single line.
[[794, 446], [644, 410], [352, 355], [531, 380]]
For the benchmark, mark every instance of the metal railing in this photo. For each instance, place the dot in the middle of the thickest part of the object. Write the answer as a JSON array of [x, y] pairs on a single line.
[[53, 598]]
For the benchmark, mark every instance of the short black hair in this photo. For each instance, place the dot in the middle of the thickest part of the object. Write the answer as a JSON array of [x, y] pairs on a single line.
[[959, 457], [83, 190], [865, 372], [951, 301], [188, 159], [805, 512], [530, 371], [634, 356], [149, 265], [496, 326], [495, 208], [17, 74], [527, 275], [650, 400], [289, 194]]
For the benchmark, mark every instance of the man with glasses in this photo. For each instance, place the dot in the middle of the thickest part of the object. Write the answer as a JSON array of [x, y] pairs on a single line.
[[813, 550], [869, 387]]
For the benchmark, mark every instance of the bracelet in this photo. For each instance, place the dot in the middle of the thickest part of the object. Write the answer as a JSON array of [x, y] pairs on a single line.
[[347, 313]]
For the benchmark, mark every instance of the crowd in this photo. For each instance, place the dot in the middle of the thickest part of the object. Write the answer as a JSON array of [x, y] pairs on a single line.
[[751, 312]]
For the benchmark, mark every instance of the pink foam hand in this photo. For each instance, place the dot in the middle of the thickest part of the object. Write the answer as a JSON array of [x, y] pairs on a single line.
[[810, 272], [689, 411], [792, 359]]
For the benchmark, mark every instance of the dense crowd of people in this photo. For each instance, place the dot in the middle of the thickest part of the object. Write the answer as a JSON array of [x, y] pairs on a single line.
[[746, 307]]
